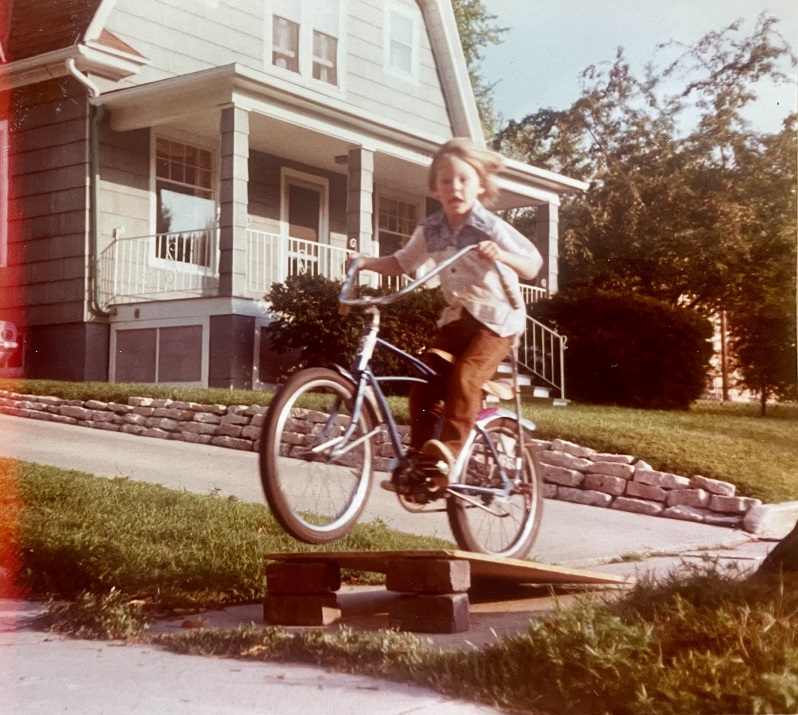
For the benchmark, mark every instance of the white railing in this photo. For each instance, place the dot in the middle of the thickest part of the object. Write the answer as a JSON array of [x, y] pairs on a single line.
[[168, 265], [532, 294], [542, 352], [274, 258]]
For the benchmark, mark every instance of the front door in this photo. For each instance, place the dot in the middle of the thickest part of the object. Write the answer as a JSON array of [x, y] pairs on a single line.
[[304, 217]]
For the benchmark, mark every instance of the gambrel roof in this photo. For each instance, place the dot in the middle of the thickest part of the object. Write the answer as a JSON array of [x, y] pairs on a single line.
[[44, 36], [41, 34], [36, 27]]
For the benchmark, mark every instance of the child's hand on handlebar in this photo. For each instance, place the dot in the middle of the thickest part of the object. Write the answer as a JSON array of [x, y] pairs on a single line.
[[490, 251], [351, 258]]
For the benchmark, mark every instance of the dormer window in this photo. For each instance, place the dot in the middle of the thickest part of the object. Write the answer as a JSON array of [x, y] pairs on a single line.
[[306, 38], [401, 40], [285, 44], [325, 58]]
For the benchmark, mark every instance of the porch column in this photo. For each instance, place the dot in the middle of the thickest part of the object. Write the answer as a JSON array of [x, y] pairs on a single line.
[[359, 202], [548, 240], [233, 209]]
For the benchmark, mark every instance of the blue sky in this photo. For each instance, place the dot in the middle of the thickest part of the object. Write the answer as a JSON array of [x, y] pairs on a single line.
[[550, 42]]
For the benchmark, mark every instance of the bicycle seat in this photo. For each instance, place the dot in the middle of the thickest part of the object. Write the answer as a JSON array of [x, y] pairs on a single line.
[[501, 388]]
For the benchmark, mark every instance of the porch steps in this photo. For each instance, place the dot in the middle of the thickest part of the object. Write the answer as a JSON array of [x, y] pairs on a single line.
[[530, 391]]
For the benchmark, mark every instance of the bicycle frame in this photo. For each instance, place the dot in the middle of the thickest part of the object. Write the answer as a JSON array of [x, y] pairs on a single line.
[[367, 382]]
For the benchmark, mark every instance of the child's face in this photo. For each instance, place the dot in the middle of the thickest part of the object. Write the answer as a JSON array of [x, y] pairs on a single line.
[[457, 187]]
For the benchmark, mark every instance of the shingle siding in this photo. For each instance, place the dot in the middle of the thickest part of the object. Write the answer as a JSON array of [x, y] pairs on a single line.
[[48, 202]]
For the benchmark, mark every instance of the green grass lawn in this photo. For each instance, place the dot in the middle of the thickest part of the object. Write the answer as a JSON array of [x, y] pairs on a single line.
[[123, 552], [758, 455]]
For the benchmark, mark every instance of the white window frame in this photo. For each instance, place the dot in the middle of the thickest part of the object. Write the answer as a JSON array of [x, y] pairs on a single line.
[[156, 323], [152, 258], [306, 55], [4, 182], [414, 75], [409, 199]]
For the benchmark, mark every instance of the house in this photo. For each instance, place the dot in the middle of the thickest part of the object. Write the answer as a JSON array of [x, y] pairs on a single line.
[[164, 162]]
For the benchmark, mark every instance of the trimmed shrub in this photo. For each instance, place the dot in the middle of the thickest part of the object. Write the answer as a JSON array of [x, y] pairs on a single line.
[[307, 323], [629, 350]]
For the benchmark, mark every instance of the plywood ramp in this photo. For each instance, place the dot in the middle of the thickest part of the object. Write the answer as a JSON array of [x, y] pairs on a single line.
[[482, 567]]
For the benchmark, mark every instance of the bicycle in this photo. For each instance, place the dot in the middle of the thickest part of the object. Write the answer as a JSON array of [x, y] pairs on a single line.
[[327, 427]]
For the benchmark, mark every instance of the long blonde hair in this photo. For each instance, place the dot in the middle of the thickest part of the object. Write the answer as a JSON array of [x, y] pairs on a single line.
[[485, 162]]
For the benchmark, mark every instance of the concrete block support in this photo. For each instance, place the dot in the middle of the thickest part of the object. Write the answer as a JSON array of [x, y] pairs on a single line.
[[303, 610], [301, 593], [447, 613], [428, 576], [286, 577]]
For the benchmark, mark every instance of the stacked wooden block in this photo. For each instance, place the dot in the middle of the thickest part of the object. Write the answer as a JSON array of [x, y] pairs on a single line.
[[432, 593], [302, 593]]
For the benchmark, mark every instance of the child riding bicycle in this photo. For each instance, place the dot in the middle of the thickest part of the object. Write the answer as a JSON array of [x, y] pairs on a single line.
[[479, 326]]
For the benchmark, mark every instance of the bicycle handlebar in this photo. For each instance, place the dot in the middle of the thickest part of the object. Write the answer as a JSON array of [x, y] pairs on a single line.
[[346, 301]]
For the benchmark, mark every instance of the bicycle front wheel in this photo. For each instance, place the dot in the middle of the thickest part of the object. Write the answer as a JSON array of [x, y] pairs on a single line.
[[315, 476], [483, 519]]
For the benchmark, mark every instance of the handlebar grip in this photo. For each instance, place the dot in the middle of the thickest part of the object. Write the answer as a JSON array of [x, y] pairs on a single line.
[[348, 287], [511, 296]]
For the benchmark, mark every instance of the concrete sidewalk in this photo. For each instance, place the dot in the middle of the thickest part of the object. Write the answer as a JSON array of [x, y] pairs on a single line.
[[45, 673]]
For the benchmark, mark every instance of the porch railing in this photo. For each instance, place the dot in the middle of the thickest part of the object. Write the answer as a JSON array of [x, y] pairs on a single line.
[[178, 265], [167, 265], [542, 353], [274, 258]]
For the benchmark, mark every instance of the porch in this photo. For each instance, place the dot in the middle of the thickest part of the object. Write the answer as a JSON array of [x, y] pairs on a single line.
[[185, 265]]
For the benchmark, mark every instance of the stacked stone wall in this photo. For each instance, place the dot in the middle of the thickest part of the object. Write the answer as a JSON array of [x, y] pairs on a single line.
[[570, 472]]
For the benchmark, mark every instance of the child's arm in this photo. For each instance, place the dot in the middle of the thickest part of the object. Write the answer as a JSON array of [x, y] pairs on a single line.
[[384, 265], [526, 266]]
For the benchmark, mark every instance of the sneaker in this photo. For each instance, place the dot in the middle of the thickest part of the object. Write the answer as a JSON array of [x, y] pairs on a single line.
[[437, 457], [388, 485]]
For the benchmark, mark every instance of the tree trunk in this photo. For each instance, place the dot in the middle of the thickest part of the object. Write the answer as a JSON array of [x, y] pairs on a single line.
[[784, 556]]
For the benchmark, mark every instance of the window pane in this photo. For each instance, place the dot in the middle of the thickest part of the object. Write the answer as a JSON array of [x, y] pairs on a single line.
[[401, 42], [325, 60], [401, 57], [180, 354], [183, 209], [401, 29], [285, 44]]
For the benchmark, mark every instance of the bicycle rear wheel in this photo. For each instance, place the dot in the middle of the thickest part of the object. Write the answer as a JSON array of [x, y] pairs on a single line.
[[490, 523], [315, 497]]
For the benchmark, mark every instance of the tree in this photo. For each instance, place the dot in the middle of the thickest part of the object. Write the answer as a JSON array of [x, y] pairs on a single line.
[[477, 29], [697, 214]]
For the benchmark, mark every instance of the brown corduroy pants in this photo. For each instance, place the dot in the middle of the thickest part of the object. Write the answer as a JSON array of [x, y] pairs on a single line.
[[477, 352]]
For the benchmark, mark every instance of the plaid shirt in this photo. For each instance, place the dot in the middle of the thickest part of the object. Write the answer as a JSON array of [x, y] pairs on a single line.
[[472, 283]]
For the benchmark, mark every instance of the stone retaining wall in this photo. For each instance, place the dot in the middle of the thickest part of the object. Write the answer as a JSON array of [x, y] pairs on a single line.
[[570, 472], [620, 481]]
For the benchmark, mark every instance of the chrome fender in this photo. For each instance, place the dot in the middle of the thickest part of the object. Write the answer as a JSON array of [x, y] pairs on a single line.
[[484, 418]]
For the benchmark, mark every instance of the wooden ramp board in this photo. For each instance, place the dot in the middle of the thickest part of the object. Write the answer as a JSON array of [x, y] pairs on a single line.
[[482, 566]]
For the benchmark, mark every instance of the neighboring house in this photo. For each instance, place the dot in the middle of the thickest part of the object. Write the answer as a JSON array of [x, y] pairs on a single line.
[[164, 162]]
